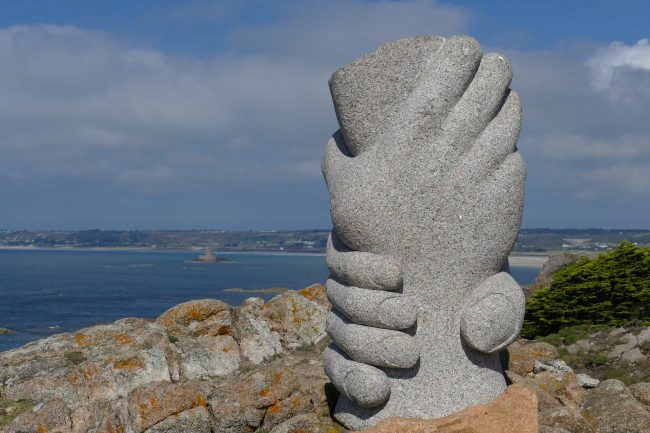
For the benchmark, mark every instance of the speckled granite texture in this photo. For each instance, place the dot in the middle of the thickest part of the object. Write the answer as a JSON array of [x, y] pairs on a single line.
[[426, 190]]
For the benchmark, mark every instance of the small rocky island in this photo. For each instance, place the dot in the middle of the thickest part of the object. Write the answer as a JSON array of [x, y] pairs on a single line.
[[209, 257]]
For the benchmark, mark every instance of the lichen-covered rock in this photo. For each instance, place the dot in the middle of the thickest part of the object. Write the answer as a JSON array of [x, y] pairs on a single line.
[[513, 412], [627, 343], [586, 381], [195, 420], [139, 376], [257, 342], [633, 356], [316, 293], [521, 355], [206, 356], [643, 336], [611, 408], [101, 362], [308, 423], [559, 400], [97, 381], [641, 391], [273, 393], [200, 317], [92, 416], [154, 402], [53, 416], [556, 367], [297, 319]]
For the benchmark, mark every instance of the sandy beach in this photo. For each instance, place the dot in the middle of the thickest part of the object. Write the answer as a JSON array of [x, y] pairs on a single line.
[[529, 261]]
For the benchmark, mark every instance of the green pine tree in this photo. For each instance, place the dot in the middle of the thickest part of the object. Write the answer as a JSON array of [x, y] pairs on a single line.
[[613, 289]]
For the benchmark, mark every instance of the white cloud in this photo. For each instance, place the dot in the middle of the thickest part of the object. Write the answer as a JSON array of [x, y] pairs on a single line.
[[80, 103], [75, 99], [610, 64], [588, 153], [83, 107]]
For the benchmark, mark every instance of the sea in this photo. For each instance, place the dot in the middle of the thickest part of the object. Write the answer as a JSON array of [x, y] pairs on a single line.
[[46, 292]]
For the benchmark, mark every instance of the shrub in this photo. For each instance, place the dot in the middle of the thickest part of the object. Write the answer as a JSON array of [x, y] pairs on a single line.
[[74, 357], [554, 339], [612, 290], [599, 359]]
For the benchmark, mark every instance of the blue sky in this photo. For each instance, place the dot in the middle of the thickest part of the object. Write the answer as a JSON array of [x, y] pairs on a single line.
[[214, 114]]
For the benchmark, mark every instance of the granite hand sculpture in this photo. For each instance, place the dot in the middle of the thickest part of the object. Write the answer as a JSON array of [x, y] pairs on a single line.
[[426, 190]]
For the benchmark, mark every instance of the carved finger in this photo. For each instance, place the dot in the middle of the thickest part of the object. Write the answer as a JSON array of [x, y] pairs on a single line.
[[442, 83], [367, 270], [480, 103], [374, 346], [505, 185], [365, 385], [376, 308], [494, 314], [496, 142], [499, 139]]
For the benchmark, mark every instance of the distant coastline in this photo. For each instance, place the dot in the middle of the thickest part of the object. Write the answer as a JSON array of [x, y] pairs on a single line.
[[160, 250], [523, 259], [530, 242]]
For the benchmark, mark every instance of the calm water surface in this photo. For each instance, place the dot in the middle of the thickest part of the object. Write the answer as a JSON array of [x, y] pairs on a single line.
[[48, 292]]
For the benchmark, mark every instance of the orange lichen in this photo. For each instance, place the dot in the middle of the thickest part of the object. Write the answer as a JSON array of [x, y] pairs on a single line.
[[264, 392], [132, 363], [81, 339], [124, 339], [196, 313], [143, 409], [313, 292], [201, 401], [226, 349], [277, 377], [275, 409], [295, 402], [42, 429], [224, 330], [294, 307]]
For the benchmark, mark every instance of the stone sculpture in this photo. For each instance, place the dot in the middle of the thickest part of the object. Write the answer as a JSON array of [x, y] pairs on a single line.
[[426, 190]]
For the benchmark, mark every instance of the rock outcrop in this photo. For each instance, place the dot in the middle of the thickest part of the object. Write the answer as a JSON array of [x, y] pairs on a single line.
[[202, 366], [178, 374], [577, 403], [513, 412]]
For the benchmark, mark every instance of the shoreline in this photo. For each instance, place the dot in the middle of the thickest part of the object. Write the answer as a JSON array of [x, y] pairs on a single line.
[[516, 259], [157, 250], [520, 260]]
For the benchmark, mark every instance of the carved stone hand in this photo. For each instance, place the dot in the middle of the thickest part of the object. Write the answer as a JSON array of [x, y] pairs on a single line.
[[426, 194]]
